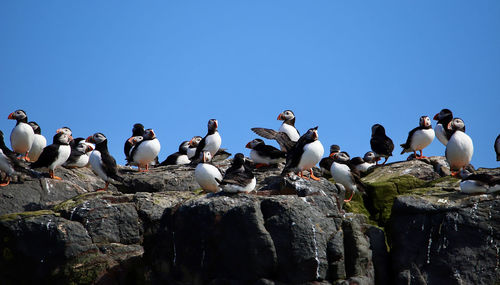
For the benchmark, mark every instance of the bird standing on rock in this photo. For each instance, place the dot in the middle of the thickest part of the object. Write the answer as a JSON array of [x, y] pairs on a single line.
[[206, 174], [39, 142], [211, 142], [306, 153], [459, 148], [287, 131], [193, 145], [22, 136], [444, 117], [146, 150], [80, 154], [343, 174], [239, 177], [179, 157], [419, 138], [55, 154], [380, 143], [137, 130], [264, 155], [103, 164]]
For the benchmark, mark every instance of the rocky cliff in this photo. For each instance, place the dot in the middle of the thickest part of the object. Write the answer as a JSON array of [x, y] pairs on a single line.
[[410, 227]]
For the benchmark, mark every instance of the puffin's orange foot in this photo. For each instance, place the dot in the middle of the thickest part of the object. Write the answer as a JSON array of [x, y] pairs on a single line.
[[105, 187], [3, 184], [56, 177], [302, 176], [53, 176], [311, 174], [456, 174]]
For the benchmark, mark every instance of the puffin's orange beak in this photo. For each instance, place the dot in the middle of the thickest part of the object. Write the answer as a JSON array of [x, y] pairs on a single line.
[[130, 140], [248, 145], [89, 140], [11, 116], [59, 131], [216, 124], [280, 117], [332, 155], [436, 117], [89, 148]]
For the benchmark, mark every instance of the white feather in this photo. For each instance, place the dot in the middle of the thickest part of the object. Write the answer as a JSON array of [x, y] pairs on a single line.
[[459, 150], [313, 152], [5, 165], [233, 188], [39, 142], [471, 186], [205, 175], [291, 131], [63, 154], [363, 167], [182, 159], [420, 139], [441, 134], [341, 173], [96, 163], [212, 143], [21, 138], [191, 152], [147, 151]]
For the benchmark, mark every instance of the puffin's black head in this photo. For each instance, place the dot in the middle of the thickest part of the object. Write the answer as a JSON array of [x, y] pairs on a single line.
[[205, 156], [18, 115], [239, 159], [311, 135], [425, 122], [61, 139], [341, 156], [378, 130], [65, 130], [443, 114], [36, 128], [83, 146], [369, 157], [334, 148], [135, 139], [78, 140], [97, 138], [149, 134], [183, 147], [357, 160], [254, 143], [286, 115], [212, 125], [195, 141], [138, 130], [457, 124]]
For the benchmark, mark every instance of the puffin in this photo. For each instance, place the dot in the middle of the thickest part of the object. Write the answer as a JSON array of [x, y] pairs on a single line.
[[326, 163], [239, 177], [103, 164], [264, 155], [67, 131], [211, 142], [132, 142], [54, 155], [39, 142], [22, 136], [419, 138], [193, 144], [145, 151], [80, 154], [306, 153], [381, 144], [343, 174], [363, 164], [497, 147], [459, 148], [206, 174], [7, 157], [137, 130], [473, 183], [444, 117], [287, 128], [178, 158]]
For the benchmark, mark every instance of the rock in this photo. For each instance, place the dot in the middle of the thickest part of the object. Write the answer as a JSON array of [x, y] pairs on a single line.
[[415, 168], [451, 239]]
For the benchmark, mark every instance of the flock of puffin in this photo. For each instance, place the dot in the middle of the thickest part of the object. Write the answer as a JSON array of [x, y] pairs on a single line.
[[299, 152]]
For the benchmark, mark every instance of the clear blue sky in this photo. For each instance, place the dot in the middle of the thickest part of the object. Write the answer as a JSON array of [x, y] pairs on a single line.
[[172, 65]]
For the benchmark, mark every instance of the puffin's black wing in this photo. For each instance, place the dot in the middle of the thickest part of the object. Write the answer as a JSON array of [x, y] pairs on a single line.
[[109, 166], [408, 140], [293, 156], [238, 177], [74, 155], [48, 155], [326, 163], [171, 159], [382, 145], [270, 151], [265, 133], [284, 141], [126, 149], [199, 149], [133, 151]]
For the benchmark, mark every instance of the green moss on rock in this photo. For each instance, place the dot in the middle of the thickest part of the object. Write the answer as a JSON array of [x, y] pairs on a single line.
[[14, 216]]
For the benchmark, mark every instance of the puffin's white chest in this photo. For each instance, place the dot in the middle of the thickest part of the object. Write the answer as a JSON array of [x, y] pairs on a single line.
[[257, 158], [313, 152], [459, 150], [147, 151], [191, 152], [363, 167], [341, 173], [205, 175], [96, 163], [471, 186], [212, 143], [441, 134], [39, 142], [421, 139], [291, 131], [5, 164], [182, 159], [62, 155], [82, 161], [22, 137], [233, 188]]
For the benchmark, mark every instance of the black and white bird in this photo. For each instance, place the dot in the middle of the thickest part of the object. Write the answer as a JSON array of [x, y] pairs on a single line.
[[211, 142], [22, 136], [178, 158], [419, 138], [102, 163], [7, 159], [380, 143], [444, 117], [69, 132], [360, 164], [343, 174], [497, 147], [239, 177], [80, 154], [132, 142], [264, 155], [326, 163], [193, 144], [39, 142], [206, 174], [54, 155], [145, 151], [305, 154], [473, 183], [287, 128], [137, 131], [459, 148]]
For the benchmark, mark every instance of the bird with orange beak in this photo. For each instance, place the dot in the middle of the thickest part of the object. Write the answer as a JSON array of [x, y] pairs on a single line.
[[22, 136], [145, 151]]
